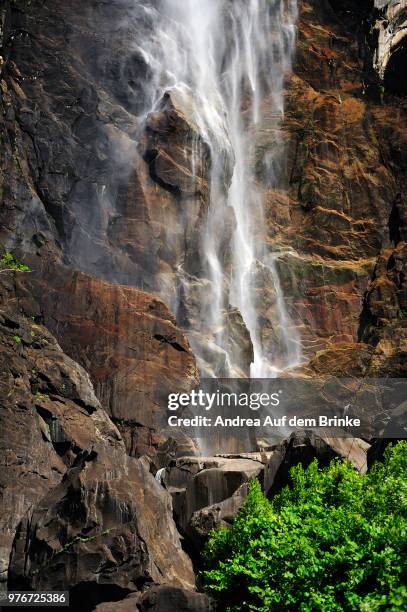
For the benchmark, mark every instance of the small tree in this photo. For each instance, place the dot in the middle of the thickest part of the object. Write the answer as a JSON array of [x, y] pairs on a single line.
[[334, 540]]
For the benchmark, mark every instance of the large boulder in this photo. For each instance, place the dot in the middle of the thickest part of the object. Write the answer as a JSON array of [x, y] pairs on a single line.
[[178, 157], [108, 525], [208, 491]]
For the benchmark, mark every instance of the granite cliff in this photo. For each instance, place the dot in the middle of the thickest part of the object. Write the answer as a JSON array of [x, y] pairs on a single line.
[[102, 206]]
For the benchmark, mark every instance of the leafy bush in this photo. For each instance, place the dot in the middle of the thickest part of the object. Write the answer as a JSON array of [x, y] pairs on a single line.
[[8, 262], [334, 540]]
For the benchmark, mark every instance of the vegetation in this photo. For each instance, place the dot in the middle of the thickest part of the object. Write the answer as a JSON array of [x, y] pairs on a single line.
[[334, 540], [8, 262], [41, 396]]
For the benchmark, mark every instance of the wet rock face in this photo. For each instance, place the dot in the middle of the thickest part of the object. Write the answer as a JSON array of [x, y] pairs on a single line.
[[116, 192], [30, 463], [76, 510], [104, 524], [119, 192], [341, 196], [69, 73], [126, 339], [208, 491], [174, 145]]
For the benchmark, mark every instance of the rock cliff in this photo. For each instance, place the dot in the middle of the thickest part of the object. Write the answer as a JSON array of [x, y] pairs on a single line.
[[101, 199], [76, 509]]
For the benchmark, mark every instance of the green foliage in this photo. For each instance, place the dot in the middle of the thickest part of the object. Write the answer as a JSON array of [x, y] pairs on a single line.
[[402, 314], [8, 262], [17, 339], [335, 540], [40, 396]]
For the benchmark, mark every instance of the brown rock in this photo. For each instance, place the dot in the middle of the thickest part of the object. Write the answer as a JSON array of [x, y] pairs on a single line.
[[341, 199], [173, 142], [128, 342], [73, 502], [107, 524]]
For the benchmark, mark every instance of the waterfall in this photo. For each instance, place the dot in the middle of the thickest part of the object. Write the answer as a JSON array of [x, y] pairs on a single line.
[[226, 60], [160, 474]]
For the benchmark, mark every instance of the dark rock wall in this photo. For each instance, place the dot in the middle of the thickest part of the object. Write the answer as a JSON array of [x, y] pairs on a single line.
[[93, 202], [76, 510]]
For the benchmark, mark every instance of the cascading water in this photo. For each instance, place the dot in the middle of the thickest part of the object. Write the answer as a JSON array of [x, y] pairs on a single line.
[[225, 60]]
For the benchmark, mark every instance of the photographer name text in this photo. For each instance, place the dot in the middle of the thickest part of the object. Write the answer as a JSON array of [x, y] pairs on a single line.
[[268, 421]]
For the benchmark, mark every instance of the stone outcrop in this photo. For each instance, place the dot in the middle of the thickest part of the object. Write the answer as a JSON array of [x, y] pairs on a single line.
[[107, 525], [390, 29], [126, 339], [207, 492], [76, 509], [172, 134]]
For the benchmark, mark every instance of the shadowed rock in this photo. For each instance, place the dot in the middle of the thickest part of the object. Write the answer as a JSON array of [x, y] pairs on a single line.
[[164, 598], [77, 511]]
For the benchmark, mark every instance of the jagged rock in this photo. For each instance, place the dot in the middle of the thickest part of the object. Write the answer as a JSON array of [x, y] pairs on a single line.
[[390, 52], [178, 157], [108, 524], [217, 515], [72, 501], [125, 338], [337, 203], [30, 463], [177, 445], [239, 342], [208, 490]]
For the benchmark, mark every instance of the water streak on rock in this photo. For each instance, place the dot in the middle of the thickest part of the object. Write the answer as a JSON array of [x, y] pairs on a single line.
[[220, 63]]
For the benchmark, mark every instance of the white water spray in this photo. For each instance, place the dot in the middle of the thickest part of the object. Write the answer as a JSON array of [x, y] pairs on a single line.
[[227, 60]]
